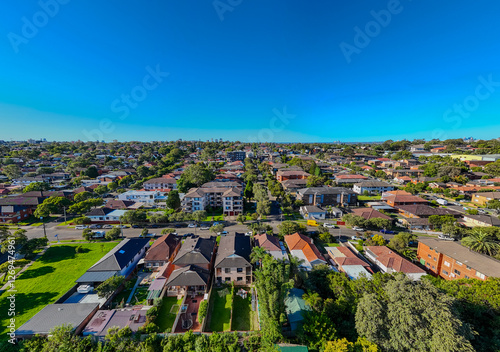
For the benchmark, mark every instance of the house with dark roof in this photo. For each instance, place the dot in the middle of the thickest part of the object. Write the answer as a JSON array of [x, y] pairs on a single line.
[[162, 251], [372, 187], [119, 204], [232, 263], [370, 213], [77, 315], [190, 280], [121, 260], [327, 196]]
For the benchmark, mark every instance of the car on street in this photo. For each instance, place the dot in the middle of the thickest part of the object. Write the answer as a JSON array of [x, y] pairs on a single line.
[[329, 226], [122, 226], [107, 226], [192, 226], [356, 228], [445, 237], [205, 228], [95, 226], [223, 233], [80, 227], [389, 232], [355, 238], [136, 227], [188, 234]]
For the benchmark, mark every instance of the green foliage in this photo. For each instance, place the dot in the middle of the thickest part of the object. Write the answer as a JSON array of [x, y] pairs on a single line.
[[113, 234], [317, 329], [412, 316], [36, 186], [173, 200], [354, 220], [108, 287], [202, 311], [194, 176], [290, 227], [482, 242], [82, 220]]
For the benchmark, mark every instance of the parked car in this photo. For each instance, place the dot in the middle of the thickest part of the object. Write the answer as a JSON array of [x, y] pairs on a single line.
[[205, 228], [192, 226], [445, 237], [329, 226], [107, 226], [188, 234], [80, 227], [95, 226], [84, 289], [389, 232], [122, 226], [151, 235], [223, 233], [98, 234], [154, 226], [136, 227], [355, 228], [355, 238]]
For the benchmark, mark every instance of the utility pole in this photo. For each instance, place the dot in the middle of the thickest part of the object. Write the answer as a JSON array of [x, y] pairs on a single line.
[[43, 224]]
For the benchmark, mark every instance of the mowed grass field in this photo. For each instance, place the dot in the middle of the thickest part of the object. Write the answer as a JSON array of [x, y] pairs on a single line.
[[49, 278], [221, 313]]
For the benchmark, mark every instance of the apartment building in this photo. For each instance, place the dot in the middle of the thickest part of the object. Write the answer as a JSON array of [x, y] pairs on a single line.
[[230, 199], [450, 260]]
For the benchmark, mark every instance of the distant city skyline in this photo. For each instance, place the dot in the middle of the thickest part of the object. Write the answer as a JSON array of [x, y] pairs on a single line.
[[260, 71]]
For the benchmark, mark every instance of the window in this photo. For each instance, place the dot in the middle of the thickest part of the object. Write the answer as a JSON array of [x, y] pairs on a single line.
[[429, 255], [468, 267], [458, 263], [445, 272], [239, 270], [446, 263], [479, 275], [227, 270], [467, 277], [227, 279], [239, 278], [434, 258], [456, 271], [433, 267]]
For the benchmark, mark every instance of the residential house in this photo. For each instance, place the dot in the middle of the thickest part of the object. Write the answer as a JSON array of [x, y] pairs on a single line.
[[398, 198], [372, 187], [481, 220], [160, 184], [302, 247], [192, 266], [18, 208], [236, 155], [232, 263], [294, 185], [450, 260], [162, 251], [119, 204], [76, 315], [272, 245], [346, 261], [103, 320], [105, 215], [370, 213], [120, 261], [327, 196], [351, 179], [148, 197], [312, 212], [425, 211], [286, 174], [482, 198], [389, 261]]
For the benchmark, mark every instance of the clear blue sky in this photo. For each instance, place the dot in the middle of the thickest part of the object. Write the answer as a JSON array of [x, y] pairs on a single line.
[[232, 69]]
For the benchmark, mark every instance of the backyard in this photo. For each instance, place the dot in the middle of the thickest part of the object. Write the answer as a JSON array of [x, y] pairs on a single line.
[[244, 319], [166, 315], [220, 319], [50, 277]]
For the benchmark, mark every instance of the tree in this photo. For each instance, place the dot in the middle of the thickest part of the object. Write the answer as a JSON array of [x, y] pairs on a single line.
[[36, 186], [92, 172], [194, 176], [354, 220], [241, 218], [344, 345], [32, 245], [199, 215], [113, 234], [217, 228], [8, 240], [248, 192], [437, 221], [378, 223], [108, 287], [112, 186], [317, 329], [257, 254], [412, 316], [315, 181], [134, 217], [290, 227], [12, 171], [100, 190], [87, 235], [173, 200], [51, 205], [80, 197], [482, 242], [85, 206]]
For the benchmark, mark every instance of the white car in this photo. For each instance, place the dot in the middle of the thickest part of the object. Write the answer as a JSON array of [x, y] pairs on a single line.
[[329, 226], [107, 226], [80, 227], [84, 289], [205, 228], [445, 237], [355, 228], [192, 226], [223, 233], [355, 238]]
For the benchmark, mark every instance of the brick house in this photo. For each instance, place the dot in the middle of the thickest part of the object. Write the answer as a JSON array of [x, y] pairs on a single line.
[[233, 260]]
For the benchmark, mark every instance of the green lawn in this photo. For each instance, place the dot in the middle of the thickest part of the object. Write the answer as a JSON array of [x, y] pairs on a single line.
[[331, 245], [243, 317], [165, 319], [369, 198], [50, 277], [221, 311]]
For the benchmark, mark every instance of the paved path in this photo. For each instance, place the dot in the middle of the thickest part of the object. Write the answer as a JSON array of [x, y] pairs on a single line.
[[140, 277]]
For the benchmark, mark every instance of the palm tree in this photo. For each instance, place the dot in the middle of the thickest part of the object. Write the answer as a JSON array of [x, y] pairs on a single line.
[[257, 255], [481, 242]]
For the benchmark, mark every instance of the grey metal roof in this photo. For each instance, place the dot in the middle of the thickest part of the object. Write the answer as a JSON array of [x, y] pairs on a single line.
[[57, 314], [96, 276], [195, 250], [121, 255], [191, 275], [325, 190], [234, 251]]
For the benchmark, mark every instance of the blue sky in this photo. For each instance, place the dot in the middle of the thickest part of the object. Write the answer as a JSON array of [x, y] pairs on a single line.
[[246, 70]]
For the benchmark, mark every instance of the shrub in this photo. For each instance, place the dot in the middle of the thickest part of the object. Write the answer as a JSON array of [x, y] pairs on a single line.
[[202, 312]]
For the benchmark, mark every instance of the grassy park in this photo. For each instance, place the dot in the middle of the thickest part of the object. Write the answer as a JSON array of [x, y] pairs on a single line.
[[49, 278]]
